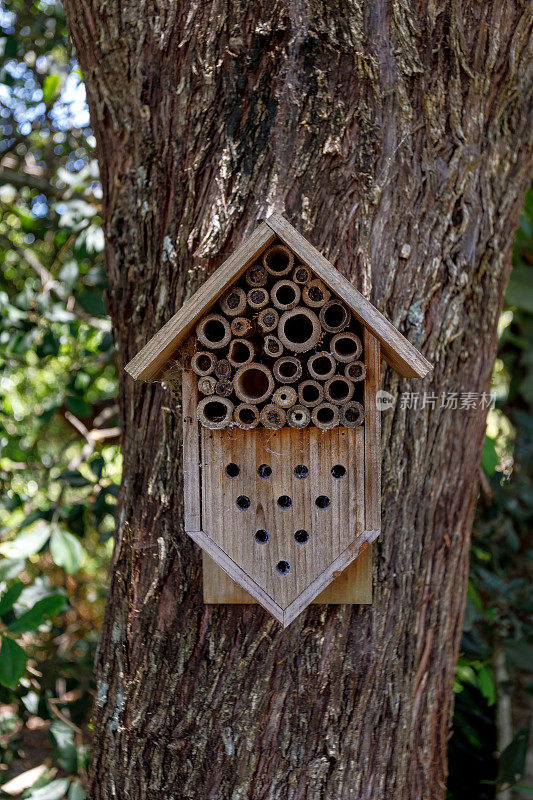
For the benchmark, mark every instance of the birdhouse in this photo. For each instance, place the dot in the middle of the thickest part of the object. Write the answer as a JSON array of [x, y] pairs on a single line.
[[280, 362]]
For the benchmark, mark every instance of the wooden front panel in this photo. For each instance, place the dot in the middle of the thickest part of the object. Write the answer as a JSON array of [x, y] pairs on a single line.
[[330, 530]]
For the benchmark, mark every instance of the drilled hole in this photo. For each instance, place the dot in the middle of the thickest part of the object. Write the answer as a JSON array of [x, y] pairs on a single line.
[[301, 536], [243, 501], [232, 470], [301, 471], [264, 471], [284, 501], [338, 471], [261, 536], [283, 567], [322, 501]]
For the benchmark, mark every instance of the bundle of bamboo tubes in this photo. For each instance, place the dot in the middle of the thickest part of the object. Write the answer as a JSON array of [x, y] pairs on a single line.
[[279, 349]]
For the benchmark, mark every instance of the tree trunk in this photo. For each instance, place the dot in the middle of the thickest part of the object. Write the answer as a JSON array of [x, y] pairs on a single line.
[[398, 138]]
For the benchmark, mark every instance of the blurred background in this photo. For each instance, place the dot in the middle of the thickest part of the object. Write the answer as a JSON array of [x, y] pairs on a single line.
[[60, 461]]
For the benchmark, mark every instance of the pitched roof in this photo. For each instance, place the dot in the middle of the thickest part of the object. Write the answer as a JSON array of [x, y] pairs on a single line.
[[397, 351]]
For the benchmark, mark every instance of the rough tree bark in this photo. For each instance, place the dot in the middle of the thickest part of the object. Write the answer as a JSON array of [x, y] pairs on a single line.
[[397, 137]]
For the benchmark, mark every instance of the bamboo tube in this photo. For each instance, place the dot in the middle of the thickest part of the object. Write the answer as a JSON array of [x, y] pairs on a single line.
[[298, 416], [325, 416], [246, 416], [285, 396], [287, 369], [310, 393], [224, 388], [203, 363], [338, 390], [215, 412], [345, 346], [302, 275], [242, 327], [285, 294], [278, 260], [223, 369], [253, 383], [256, 275], [207, 384], [352, 414], [299, 329], [315, 294], [321, 366], [240, 352], [272, 346], [213, 331], [273, 417], [258, 298], [334, 316], [355, 371], [267, 321], [233, 303]]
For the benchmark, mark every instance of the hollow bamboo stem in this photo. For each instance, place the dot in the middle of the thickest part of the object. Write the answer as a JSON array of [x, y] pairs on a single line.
[[352, 414], [334, 316], [355, 371], [267, 321], [207, 384], [203, 363], [298, 417], [285, 294], [338, 390], [346, 346], [299, 329], [246, 416], [273, 417], [258, 298], [215, 412], [223, 368], [315, 294], [310, 393], [253, 383], [285, 396], [213, 331], [325, 416], [242, 327], [272, 346], [233, 303], [302, 275], [256, 275], [278, 260], [224, 388], [240, 352], [321, 366], [287, 369]]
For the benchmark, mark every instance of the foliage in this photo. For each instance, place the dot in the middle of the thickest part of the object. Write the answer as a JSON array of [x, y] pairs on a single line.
[[59, 458], [60, 462]]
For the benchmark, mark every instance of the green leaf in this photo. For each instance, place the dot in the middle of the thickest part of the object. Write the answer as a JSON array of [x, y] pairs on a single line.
[[77, 406], [10, 568], [66, 550], [93, 303], [486, 685], [76, 792], [520, 289], [42, 610], [12, 663], [512, 761], [10, 597], [62, 737], [55, 790], [27, 543], [74, 478], [489, 459], [50, 87]]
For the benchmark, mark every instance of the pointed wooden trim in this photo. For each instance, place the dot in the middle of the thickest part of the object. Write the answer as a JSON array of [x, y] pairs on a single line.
[[397, 351], [149, 362], [287, 615]]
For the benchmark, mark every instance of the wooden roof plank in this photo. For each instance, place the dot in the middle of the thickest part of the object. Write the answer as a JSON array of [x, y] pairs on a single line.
[[149, 362], [397, 351]]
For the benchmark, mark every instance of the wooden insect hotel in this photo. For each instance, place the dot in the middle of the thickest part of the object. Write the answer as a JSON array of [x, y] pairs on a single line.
[[280, 362]]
